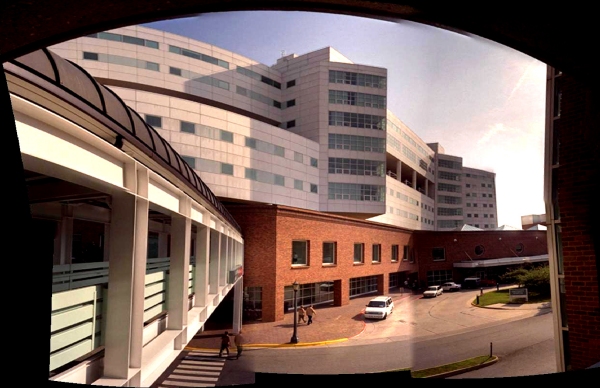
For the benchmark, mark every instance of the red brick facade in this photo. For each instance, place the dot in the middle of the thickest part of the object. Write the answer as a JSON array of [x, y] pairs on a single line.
[[461, 246], [578, 199], [268, 252], [269, 231]]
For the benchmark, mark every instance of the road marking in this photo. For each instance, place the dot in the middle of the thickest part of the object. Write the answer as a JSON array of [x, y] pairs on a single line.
[[196, 369]]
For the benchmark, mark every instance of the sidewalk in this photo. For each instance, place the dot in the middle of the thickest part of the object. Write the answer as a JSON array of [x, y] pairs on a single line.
[[330, 325]]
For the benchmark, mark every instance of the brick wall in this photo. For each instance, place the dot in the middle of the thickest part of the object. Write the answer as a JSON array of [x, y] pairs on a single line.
[[496, 244], [578, 128], [268, 235]]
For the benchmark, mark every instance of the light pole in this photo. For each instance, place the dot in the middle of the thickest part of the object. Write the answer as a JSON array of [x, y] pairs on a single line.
[[294, 339]]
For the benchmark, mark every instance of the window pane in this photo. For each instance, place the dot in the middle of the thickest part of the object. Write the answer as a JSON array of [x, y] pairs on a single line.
[[187, 127], [227, 136], [299, 252], [90, 56], [329, 253], [189, 160], [226, 169], [154, 121]]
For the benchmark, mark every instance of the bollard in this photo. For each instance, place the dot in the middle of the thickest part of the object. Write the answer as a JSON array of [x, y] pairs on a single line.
[[481, 291], [491, 350], [477, 299]]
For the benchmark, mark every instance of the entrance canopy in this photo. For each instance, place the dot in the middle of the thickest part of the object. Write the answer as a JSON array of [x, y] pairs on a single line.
[[501, 261]]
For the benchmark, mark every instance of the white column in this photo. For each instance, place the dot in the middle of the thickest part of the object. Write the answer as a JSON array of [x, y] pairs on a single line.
[[66, 235], [398, 170], [201, 275], [106, 242], [414, 180], [426, 186], [163, 244], [223, 258], [126, 278], [213, 275], [238, 299], [181, 234]]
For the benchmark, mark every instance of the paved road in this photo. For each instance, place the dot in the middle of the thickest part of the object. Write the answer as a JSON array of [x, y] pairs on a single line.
[[449, 313], [419, 334], [525, 347]]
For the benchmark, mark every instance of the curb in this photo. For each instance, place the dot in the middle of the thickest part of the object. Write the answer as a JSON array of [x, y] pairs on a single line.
[[504, 308], [287, 345], [463, 370]]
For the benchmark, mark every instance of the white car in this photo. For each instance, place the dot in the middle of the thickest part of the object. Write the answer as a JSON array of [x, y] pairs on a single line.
[[433, 291], [451, 286], [379, 308]]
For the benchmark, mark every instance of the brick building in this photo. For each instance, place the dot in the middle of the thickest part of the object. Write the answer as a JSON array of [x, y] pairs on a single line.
[[335, 258]]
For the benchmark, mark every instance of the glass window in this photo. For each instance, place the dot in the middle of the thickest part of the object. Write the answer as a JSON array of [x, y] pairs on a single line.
[[376, 253], [251, 174], [298, 157], [279, 180], [358, 252], [154, 121], [90, 56], [110, 36], [151, 44], [226, 169], [298, 184], [299, 252], [479, 249], [175, 71], [395, 252], [278, 150], [329, 252], [152, 66], [290, 124], [189, 160], [290, 103], [313, 188], [291, 83], [227, 136], [438, 254], [314, 162], [187, 127]]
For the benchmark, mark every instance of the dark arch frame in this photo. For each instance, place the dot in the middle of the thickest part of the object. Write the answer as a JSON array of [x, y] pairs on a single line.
[[562, 35], [545, 33]]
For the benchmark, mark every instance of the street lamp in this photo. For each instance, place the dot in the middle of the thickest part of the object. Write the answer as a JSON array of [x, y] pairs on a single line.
[[294, 339]]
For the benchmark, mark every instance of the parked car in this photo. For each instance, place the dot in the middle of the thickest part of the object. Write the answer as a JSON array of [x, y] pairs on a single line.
[[471, 283], [433, 291], [379, 307], [451, 286]]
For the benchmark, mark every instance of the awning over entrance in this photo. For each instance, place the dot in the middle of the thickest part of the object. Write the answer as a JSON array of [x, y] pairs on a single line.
[[502, 261]]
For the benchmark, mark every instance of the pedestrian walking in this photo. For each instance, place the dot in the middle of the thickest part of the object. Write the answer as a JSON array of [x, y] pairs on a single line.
[[301, 314], [310, 311], [238, 340], [225, 342]]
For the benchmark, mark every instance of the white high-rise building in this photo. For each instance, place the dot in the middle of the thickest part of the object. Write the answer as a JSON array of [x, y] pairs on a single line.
[[312, 131]]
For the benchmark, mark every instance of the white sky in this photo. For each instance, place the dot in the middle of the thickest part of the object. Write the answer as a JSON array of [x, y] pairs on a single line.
[[480, 100]]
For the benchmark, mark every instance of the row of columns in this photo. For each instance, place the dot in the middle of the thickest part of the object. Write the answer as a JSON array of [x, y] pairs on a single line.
[[414, 177], [127, 272]]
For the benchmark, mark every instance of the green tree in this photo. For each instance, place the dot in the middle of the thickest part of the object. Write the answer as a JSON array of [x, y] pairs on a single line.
[[514, 276], [536, 278]]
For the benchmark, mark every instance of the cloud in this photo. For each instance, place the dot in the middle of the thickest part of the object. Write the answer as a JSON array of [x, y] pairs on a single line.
[[521, 80], [491, 132]]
